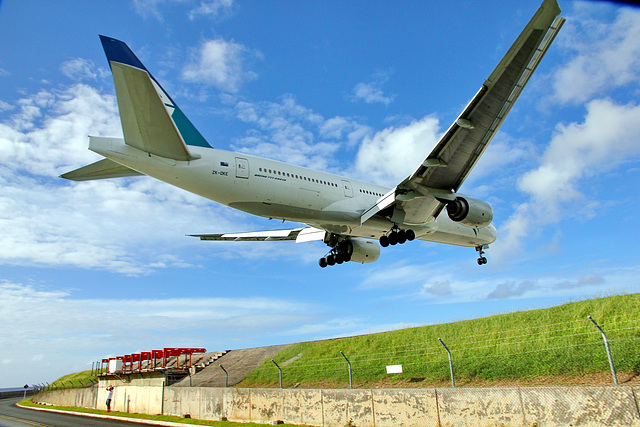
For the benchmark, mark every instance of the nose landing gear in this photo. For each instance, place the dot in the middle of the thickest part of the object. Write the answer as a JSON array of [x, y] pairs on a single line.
[[397, 237], [481, 258]]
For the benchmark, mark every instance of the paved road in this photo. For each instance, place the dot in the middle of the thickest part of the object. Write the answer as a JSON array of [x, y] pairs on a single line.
[[13, 416]]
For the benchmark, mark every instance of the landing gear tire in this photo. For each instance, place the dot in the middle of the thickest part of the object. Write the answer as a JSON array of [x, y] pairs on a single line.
[[339, 254], [397, 237], [482, 260], [393, 239]]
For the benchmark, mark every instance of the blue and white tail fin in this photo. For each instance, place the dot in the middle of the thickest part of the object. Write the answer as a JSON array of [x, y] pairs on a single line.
[[151, 120]]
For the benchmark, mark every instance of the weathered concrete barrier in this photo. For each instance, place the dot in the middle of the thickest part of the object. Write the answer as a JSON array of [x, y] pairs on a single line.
[[78, 397], [518, 406]]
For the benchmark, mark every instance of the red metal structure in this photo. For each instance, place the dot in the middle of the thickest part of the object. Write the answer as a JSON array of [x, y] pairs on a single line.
[[177, 352], [152, 356]]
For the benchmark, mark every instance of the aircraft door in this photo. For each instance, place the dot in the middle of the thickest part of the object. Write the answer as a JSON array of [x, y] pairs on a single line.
[[242, 168], [348, 190]]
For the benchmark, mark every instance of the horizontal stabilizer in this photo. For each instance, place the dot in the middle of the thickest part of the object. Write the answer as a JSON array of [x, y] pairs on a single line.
[[101, 169]]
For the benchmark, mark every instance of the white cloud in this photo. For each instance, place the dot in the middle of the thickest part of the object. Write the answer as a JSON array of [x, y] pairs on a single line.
[[146, 8], [211, 9], [397, 275], [94, 328], [512, 289], [292, 133], [371, 92], [218, 63], [49, 133], [393, 153], [117, 225], [503, 153], [438, 289], [607, 137], [5, 106], [607, 56], [81, 69]]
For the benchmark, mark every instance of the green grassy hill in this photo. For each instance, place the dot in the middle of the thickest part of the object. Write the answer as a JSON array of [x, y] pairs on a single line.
[[528, 347], [79, 379]]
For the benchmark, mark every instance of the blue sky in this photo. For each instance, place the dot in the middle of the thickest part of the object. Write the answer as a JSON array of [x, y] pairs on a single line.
[[96, 269]]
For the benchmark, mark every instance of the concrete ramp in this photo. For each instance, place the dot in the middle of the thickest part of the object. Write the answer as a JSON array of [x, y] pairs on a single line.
[[238, 363]]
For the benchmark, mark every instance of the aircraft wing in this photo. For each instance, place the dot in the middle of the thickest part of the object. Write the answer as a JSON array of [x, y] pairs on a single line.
[[420, 196], [298, 234]]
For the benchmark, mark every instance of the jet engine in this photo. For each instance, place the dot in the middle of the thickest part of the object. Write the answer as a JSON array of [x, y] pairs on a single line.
[[362, 250], [470, 212]]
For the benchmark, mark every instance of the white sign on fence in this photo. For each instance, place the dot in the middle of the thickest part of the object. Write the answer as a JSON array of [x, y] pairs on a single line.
[[394, 369]]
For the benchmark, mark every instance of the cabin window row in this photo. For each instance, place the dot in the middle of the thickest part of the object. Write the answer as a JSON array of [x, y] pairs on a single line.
[[300, 177], [373, 193]]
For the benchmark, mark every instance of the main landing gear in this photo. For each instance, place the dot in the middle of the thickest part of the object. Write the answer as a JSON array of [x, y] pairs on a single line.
[[334, 258], [339, 254], [481, 258], [397, 237]]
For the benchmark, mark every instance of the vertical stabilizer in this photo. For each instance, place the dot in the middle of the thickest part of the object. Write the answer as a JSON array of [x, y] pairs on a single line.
[[151, 120]]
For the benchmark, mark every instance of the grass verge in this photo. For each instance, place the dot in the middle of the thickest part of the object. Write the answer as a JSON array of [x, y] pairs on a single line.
[[191, 421]]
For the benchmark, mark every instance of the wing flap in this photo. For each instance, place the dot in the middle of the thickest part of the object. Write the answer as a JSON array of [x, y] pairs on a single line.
[[298, 234]]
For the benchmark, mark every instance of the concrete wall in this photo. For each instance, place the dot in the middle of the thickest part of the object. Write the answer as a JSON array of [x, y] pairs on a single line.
[[526, 406], [78, 397], [135, 394]]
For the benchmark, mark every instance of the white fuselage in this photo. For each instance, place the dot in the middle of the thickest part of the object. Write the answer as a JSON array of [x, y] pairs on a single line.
[[273, 189]]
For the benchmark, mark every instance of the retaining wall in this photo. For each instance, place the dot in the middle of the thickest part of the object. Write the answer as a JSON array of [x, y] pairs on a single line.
[[521, 406], [78, 397]]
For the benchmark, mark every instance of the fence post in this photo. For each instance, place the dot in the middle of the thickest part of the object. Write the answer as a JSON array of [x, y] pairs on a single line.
[[453, 382], [348, 363], [279, 369], [606, 346], [226, 376]]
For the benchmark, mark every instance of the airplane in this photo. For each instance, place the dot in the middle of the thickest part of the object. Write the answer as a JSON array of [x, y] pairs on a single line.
[[354, 218]]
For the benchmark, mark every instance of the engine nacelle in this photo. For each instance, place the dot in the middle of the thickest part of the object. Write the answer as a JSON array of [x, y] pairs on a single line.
[[470, 212], [363, 250]]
